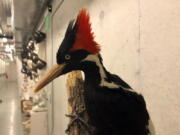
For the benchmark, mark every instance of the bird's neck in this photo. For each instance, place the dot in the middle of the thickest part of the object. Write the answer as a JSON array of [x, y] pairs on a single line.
[[96, 73]]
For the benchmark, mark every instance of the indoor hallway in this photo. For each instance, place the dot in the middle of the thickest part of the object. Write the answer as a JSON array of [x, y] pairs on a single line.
[[10, 115], [138, 41]]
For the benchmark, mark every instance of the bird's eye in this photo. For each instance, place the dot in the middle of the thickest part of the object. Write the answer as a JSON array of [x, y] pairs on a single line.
[[67, 57]]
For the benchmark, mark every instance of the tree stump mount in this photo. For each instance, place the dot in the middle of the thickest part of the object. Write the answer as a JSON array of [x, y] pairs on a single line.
[[76, 106]]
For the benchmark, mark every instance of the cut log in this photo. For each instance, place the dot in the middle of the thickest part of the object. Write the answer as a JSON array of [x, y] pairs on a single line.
[[76, 106]]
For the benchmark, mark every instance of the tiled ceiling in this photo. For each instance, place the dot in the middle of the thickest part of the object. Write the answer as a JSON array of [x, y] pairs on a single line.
[[18, 18], [26, 16]]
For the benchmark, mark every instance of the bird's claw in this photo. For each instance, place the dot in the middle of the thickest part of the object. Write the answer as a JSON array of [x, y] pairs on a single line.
[[77, 119]]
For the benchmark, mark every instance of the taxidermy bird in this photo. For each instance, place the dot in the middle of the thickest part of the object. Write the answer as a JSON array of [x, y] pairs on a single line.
[[113, 107]]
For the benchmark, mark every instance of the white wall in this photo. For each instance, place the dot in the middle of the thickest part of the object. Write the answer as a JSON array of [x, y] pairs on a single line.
[[12, 72], [9, 69], [160, 45], [2, 71], [140, 42], [19, 74]]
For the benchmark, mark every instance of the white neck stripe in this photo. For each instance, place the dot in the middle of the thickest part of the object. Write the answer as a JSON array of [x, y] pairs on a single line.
[[94, 58]]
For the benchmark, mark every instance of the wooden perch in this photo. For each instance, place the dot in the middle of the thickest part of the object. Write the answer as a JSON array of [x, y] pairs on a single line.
[[76, 106]]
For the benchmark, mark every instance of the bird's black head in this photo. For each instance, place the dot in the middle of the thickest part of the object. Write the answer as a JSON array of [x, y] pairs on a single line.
[[77, 44]]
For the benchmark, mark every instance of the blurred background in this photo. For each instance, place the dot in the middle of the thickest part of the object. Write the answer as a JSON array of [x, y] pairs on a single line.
[[140, 41]]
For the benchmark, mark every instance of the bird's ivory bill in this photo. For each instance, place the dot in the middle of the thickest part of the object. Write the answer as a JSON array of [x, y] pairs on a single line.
[[54, 72]]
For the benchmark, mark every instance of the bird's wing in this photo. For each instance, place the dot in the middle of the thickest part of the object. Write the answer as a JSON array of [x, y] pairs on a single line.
[[116, 79], [122, 110]]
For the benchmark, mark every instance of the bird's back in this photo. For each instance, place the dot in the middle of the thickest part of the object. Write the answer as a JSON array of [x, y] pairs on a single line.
[[116, 111]]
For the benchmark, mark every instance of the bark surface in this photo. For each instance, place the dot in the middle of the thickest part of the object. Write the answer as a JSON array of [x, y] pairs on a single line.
[[76, 105]]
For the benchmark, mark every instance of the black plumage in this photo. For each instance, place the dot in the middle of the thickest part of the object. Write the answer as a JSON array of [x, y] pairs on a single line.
[[114, 108], [117, 111]]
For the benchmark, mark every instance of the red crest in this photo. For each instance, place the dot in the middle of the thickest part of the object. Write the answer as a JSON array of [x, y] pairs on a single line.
[[84, 35]]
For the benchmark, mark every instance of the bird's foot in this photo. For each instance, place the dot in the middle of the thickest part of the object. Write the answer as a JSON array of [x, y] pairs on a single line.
[[77, 118]]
